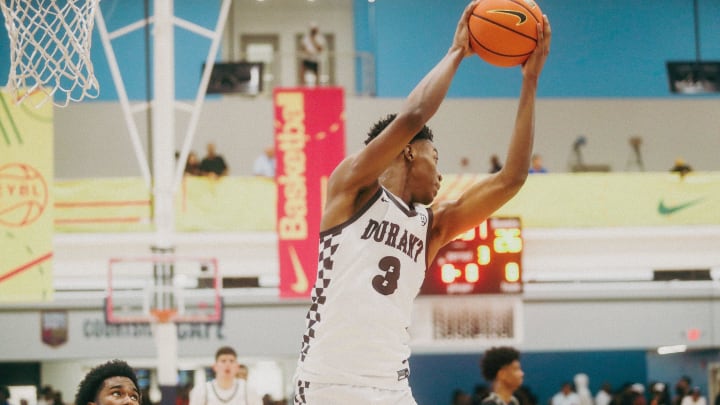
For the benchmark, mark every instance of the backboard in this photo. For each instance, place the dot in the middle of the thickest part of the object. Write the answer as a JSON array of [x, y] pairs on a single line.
[[163, 288]]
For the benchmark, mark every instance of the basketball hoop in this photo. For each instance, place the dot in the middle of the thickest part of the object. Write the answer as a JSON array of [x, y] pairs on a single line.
[[163, 315], [50, 49]]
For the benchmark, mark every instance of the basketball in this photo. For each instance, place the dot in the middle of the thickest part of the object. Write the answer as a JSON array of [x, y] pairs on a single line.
[[504, 32]]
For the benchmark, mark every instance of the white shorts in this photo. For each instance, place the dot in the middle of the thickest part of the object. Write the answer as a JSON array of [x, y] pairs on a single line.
[[307, 393]]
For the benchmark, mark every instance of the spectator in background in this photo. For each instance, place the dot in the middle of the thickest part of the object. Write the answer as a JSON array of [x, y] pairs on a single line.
[[501, 367], [183, 395], [495, 165], [4, 395], [312, 46], [659, 394], [213, 164], [682, 389], [604, 395], [681, 167], [480, 392], [536, 164], [46, 396], [637, 395], [111, 383], [264, 165], [525, 396], [694, 398], [566, 396], [58, 398], [192, 166], [582, 381], [460, 397]]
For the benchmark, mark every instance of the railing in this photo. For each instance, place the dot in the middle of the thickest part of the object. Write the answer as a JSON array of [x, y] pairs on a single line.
[[354, 71]]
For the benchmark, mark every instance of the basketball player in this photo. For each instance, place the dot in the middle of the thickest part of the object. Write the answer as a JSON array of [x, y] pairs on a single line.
[[111, 383], [501, 367], [227, 388], [378, 237]]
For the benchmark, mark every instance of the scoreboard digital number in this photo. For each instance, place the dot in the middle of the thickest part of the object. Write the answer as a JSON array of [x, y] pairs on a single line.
[[484, 260]]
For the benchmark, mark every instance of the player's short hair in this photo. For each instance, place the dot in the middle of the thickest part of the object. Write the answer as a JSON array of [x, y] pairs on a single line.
[[225, 350], [378, 127], [496, 358], [93, 382]]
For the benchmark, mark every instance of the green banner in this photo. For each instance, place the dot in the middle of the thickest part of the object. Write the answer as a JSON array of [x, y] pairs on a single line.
[[247, 204], [569, 200]]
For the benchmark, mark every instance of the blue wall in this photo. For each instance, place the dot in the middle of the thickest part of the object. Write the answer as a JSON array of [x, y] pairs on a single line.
[[434, 377], [609, 48]]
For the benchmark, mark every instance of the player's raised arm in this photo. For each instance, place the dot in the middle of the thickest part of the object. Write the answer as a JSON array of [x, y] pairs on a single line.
[[363, 169], [485, 197]]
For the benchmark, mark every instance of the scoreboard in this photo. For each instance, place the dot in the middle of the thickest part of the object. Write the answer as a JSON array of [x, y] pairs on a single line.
[[484, 260]]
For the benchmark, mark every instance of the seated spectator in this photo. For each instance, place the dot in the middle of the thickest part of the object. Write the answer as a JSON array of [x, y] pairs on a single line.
[[192, 166], [264, 165], [681, 167], [495, 165], [213, 164], [536, 164]]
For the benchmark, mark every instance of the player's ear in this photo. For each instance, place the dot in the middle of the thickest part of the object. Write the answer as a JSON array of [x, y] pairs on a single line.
[[409, 153]]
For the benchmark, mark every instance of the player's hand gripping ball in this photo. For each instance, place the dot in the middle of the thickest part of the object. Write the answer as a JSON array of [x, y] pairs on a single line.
[[504, 32]]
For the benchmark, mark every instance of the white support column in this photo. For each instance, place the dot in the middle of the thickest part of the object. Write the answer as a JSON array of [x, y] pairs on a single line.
[[163, 159], [165, 336], [163, 125]]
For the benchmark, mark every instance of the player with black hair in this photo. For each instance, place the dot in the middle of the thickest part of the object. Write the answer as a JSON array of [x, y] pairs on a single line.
[[111, 383], [379, 232], [501, 367]]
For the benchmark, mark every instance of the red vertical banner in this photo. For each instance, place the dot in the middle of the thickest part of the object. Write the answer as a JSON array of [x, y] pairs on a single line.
[[309, 143]]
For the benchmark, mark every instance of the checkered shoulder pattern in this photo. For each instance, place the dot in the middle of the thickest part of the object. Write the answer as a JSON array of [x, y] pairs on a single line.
[[328, 246]]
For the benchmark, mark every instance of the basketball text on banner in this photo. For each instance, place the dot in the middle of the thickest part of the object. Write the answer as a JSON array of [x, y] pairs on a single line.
[[309, 143], [26, 204]]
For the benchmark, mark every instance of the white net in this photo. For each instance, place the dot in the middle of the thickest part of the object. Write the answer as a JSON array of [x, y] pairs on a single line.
[[50, 44]]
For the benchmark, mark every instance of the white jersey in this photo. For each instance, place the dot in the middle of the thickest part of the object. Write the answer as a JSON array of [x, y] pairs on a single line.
[[370, 271], [210, 393]]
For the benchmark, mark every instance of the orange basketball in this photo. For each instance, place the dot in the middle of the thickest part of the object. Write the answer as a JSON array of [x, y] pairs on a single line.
[[504, 32]]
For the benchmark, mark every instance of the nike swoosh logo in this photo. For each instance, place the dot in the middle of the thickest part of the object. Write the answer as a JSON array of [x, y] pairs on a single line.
[[668, 210], [301, 282], [519, 14]]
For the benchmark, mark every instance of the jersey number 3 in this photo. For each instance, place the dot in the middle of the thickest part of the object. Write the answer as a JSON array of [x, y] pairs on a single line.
[[387, 283]]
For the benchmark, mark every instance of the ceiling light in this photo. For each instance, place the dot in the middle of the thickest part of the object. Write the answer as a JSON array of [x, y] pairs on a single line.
[[671, 349]]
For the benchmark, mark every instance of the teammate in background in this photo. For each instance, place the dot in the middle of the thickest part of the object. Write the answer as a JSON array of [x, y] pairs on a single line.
[[501, 367], [111, 383], [226, 388], [242, 372], [378, 237]]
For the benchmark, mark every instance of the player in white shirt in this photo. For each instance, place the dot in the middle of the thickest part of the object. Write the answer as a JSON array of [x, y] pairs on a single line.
[[377, 237], [226, 388]]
